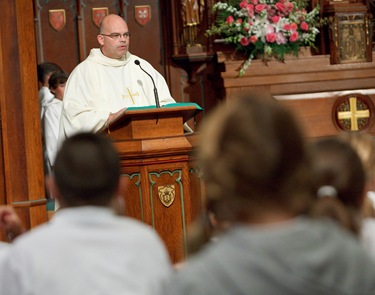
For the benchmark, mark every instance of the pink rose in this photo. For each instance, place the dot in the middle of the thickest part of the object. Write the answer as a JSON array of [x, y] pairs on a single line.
[[293, 26], [275, 18], [260, 7], [249, 7], [230, 20], [243, 3], [280, 6], [289, 6], [255, 2], [239, 21], [287, 27], [245, 41], [271, 37], [293, 37], [253, 39], [304, 26]]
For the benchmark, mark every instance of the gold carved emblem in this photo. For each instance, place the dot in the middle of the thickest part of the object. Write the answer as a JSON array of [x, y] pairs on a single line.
[[57, 19], [166, 194]]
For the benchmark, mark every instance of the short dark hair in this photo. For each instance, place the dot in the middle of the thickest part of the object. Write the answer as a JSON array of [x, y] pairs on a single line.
[[87, 170], [46, 68], [56, 79]]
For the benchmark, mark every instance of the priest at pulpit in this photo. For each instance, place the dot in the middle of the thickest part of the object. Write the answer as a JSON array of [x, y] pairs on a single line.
[[111, 79]]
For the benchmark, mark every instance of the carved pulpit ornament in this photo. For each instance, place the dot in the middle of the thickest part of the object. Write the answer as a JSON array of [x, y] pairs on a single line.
[[353, 112], [166, 194]]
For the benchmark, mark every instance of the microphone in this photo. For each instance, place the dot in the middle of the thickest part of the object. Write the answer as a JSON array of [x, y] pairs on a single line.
[[138, 63]]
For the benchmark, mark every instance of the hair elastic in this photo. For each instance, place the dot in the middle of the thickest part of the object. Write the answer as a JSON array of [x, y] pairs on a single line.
[[326, 191]]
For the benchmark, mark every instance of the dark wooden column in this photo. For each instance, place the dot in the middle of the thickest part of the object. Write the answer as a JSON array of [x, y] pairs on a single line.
[[21, 171]]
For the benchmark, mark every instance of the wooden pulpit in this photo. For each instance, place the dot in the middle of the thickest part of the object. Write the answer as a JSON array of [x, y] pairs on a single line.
[[163, 187]]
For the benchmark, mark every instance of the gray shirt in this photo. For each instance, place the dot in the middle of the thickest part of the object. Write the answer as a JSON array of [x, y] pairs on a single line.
[[86, 250], [301, 256]]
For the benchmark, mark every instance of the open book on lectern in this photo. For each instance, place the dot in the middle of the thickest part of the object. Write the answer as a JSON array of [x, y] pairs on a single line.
[[169, 105], [186, 110]]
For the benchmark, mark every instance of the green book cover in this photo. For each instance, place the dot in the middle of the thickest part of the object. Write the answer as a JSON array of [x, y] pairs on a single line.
[[170, 105]]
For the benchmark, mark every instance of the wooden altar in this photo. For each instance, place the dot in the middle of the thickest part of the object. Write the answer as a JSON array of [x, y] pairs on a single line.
[[309, 85], [163, 188]]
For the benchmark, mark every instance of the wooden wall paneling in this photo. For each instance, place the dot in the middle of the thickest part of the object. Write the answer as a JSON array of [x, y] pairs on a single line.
[[197, 187], [133, 192], [146, 40], [37, 30], [174, 24], [88, 24], [316, 115], [80, 31], [206, 90], [168, 22], [308, 85], [306, 74], [313, 115], [192, 78], [3, 199], [20, 119], [57, 40]]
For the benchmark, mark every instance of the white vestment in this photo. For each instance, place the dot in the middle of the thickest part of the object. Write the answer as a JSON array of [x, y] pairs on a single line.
[[4, 247], [100, 85], [52, 117], [45, 97], [86, 250]]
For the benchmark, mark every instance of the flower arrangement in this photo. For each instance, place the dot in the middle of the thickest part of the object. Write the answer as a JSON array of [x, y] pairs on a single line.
[[271, 28]]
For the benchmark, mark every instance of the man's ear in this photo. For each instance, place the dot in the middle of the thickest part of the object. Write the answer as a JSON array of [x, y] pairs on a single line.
[[100, 39], [52, 187]]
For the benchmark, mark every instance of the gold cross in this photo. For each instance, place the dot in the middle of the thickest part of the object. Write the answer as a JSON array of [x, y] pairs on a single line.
[[353, 114], [130, 95]]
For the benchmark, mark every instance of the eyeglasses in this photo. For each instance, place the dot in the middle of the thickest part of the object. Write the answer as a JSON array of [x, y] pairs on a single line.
[[116, 36]]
